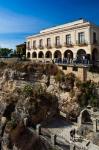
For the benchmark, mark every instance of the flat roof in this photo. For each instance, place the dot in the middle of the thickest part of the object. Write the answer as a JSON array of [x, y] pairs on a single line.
[[59, 27]]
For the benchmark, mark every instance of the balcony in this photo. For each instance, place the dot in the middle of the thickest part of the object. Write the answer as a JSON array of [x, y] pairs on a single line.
[[58, 45], [68, 44], [83, 43], [28, 48], [41, 47], [34, 47], [48, 46], [95, 42]]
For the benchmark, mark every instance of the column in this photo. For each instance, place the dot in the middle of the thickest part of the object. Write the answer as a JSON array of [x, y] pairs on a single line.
[[52, 56], [74, 55], [62, 56]]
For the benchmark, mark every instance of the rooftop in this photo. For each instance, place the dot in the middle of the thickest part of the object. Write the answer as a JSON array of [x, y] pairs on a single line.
[[78, 22]]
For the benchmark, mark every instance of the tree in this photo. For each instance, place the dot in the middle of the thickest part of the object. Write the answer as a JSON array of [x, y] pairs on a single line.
[[21, 50], [5, 52]]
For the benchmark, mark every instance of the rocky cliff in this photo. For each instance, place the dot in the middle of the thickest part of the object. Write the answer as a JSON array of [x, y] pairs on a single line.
[[32, 93]]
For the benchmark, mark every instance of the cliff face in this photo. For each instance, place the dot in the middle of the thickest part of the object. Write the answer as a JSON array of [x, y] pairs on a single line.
[[32, 93]]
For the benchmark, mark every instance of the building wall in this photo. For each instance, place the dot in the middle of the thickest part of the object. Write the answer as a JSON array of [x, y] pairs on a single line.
[[62, 31]]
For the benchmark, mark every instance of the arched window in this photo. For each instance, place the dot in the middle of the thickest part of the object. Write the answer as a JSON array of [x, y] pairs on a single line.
[[34, 55], [57, 54], [68, 54], [48, 54], [28, 54], [81, 54], [40, 55]]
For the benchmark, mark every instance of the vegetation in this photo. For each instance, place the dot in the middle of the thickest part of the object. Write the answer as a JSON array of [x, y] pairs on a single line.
[[88, 94], [59, 76], [21, 50], [28, 90], [5, 52]]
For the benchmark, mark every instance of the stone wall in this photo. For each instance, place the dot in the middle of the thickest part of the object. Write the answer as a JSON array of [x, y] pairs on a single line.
[[80, 73], [93, 76]]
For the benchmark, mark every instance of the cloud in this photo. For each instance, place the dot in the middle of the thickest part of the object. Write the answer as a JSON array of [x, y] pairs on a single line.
[[13, 23]]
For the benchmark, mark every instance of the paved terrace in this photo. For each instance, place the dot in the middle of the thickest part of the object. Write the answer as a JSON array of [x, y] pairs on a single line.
[[61, 128]]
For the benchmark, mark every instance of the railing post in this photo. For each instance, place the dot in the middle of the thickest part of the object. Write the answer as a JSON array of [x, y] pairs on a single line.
[[72, 147], [53, 139], [38, 129]]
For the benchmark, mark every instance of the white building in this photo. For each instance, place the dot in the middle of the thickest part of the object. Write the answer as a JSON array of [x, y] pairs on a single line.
[[76, 41]]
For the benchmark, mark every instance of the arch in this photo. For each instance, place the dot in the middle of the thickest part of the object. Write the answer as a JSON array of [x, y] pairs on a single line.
[[57, 54], [81, 54], [95, 55], [34, 55], [86, 117], [48, 54], [40, 54], [68, 54], [28, 54]]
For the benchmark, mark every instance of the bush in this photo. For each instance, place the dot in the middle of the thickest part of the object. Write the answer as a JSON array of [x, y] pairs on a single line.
[[28, 90], [59, 76], [2, 64], [88, 95]]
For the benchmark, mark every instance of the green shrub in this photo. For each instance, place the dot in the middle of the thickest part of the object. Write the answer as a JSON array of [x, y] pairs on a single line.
[[28, 90], [88, 95], [59, 76]]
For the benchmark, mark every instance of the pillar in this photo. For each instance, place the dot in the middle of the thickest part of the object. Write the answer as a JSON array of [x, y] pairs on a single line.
[[53, 139], [52, 56], [74, 55], [62, 56], [25, 121], [38, 129], [94, 125], [72, 146], [79, 121]]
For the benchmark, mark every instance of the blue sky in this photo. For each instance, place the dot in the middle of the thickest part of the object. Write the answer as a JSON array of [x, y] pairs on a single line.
[[20, 18]]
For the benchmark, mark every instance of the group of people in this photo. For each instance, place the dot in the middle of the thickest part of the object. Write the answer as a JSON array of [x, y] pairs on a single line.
[[78, 60]]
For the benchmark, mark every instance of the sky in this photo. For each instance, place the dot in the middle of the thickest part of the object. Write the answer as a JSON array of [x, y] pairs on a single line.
[[21, 18]]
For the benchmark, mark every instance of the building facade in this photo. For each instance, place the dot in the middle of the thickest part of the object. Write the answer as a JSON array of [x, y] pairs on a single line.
[[75, 42]]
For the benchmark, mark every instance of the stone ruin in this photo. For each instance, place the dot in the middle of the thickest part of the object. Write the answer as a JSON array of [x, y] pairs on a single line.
[[89, 116]]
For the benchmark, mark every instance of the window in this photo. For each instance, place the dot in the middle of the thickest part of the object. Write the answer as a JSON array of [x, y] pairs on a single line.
[[34, 43], [40, 42], [64, 67], [75, 68], [48, 42], [81, 37], [68, 39], [94, 37], [57, 40], [28, 44]]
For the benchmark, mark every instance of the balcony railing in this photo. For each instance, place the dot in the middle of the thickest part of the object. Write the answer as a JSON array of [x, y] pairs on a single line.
[[83, 43], [58, 45], [72, 61], [95, 42], [48, 46], [41, 47], [68, 44]]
